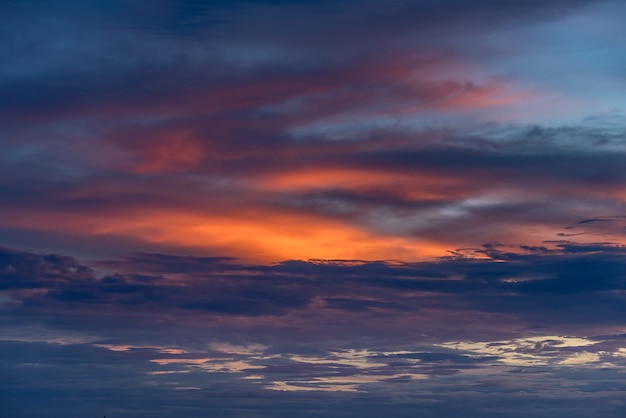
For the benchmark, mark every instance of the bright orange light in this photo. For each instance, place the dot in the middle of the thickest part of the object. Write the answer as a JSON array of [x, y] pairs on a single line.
[[260, 236]]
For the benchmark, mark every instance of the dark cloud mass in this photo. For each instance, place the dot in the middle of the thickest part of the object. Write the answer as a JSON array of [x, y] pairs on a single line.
[[354, 328], [312, 208]]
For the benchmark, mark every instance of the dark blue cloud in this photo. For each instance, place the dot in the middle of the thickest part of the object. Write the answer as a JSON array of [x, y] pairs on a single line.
[[527, 284], [147, 334]]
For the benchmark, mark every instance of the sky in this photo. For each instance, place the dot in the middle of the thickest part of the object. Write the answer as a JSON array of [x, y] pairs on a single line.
[[266, 209]]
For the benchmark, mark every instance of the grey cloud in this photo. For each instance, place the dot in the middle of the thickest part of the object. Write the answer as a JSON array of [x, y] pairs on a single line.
[[444, 385], [564, 285]]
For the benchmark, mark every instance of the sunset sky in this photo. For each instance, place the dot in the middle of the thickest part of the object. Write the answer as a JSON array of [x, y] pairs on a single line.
[[329, 208]]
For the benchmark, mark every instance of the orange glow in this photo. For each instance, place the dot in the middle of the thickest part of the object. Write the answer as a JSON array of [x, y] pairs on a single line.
[[417, 186], [259, 233], [272, 237], [253, 236]]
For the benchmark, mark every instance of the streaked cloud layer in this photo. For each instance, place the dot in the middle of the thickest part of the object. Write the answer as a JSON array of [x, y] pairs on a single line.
[[278, 208]]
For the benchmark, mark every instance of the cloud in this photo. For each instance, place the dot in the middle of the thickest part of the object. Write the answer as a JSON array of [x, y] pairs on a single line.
[[316, 327], [269, 208], [390, 197], [166, 129], [496, 284]]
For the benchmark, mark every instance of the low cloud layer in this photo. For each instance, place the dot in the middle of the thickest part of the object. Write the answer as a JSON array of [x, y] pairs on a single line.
[[375, 333]]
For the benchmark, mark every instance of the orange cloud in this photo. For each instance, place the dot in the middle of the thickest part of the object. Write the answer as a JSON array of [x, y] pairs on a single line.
[[254, 234], [410, 185]]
